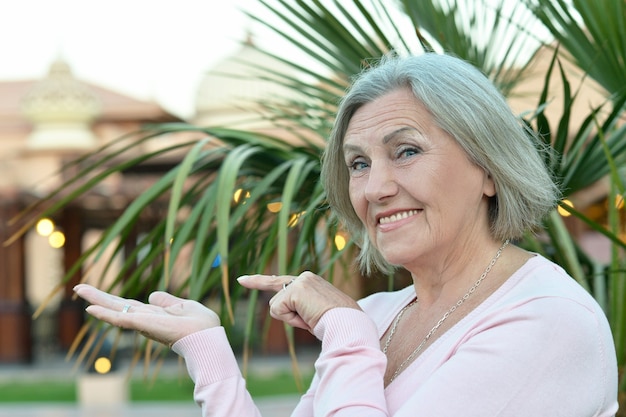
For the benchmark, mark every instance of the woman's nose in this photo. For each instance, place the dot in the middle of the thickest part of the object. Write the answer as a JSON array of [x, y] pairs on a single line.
[[381, 182]]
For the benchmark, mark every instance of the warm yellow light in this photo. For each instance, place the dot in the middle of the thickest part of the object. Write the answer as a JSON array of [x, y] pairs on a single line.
[[44, 227], [619, 202], [102, 365], [295, 218], [275, 207], [563, 212], [340, 241], [240, 194], [56, 239]]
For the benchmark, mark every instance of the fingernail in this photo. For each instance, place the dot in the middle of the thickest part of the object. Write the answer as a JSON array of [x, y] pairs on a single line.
[[243, 278]]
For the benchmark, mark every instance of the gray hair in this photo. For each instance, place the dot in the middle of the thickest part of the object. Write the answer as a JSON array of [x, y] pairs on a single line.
[[464, 103]]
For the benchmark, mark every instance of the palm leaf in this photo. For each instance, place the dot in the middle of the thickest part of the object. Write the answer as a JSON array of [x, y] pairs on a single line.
[[495, 39], [579, 159], [593, 33]]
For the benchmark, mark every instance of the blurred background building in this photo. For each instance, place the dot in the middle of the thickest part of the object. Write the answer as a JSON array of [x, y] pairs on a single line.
[[44, 124], [47, 123]]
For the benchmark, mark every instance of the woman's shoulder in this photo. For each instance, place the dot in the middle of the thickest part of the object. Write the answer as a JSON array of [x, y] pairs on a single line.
[[544, 290], [540, 277]]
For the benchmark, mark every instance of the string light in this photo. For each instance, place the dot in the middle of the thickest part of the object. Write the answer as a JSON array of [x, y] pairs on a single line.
[[562, 211], [240, 194], [295, 218], [56, 239], [44, 227], [275, 207], [340, 241], [102, 365]]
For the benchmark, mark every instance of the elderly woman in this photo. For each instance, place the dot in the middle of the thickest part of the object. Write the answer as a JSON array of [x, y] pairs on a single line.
[[430, 171]]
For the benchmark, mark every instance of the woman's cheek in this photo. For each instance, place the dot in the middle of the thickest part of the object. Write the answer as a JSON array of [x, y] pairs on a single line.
[[358, 202]]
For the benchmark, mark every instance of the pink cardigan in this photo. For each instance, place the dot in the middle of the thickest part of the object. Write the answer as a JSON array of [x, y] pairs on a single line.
[[539, 346]]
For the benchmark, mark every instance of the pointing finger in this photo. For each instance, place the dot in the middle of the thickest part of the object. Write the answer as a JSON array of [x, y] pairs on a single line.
[[266, 282]]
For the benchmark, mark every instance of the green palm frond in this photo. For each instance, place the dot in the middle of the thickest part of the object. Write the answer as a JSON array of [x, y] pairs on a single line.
[[496, 36], [579, 159], [593, 33], [335, 40], [202, 185]]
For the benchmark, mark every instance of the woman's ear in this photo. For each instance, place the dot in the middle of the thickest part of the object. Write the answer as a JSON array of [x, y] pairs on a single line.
[[489, 186]]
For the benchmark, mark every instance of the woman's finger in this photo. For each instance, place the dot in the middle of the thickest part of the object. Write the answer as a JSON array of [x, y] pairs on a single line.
[[96, 297], [266, 282], [164, 299], [126, 320]]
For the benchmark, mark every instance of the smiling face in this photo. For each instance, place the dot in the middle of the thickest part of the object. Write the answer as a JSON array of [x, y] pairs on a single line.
[[411, 183]]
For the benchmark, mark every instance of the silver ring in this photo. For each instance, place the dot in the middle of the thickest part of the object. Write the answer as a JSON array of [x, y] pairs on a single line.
[[126, 308], [286, 284]]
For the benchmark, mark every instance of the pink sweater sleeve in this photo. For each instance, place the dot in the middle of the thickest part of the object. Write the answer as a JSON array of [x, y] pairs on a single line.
[[343, 382], [351, 366], [220, 389]]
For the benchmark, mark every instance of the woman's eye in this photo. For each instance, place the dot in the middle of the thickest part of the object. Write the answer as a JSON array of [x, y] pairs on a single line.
[[407, 152], [357, 165]]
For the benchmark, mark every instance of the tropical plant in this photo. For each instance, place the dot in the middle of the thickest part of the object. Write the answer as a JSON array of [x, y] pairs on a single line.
[[592, 34], [337, 39], [594, 151]]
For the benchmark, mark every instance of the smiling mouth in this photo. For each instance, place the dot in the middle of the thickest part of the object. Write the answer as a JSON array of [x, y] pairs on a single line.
[[397, 216]]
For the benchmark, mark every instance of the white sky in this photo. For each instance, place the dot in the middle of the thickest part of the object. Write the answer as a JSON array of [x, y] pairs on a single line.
[[148, 49]]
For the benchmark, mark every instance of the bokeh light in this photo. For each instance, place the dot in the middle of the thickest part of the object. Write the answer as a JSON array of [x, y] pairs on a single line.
[[102, 365], [275, 207], [563, 212], [340, 241], [56, 239], [240, 195], [44, 227]]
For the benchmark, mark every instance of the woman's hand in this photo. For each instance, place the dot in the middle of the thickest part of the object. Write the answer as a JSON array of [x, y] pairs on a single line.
[[299, 301], [165, 319]]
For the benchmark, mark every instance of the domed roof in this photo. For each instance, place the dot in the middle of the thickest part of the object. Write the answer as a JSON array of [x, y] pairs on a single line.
[[61, 109], [60, 97], [240, 81]]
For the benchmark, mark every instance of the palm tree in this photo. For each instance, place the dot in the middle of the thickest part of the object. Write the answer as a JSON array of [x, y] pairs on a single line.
[[339, 38], [500, 38]]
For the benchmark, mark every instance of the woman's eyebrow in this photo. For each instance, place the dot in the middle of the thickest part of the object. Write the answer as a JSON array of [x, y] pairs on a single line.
[[350, 147], [388, 137]]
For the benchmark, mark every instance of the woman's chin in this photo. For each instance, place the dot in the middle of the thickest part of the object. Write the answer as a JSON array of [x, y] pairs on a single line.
[[395, 260]]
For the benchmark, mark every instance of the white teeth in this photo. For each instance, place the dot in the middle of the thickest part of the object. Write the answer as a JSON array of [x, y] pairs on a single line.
[[397, 216]]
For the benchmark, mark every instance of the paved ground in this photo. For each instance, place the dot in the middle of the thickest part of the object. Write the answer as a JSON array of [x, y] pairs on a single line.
[[59, 369], [269, 407]]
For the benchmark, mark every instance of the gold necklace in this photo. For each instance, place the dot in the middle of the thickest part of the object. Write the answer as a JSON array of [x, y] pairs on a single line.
[[441, 320]]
